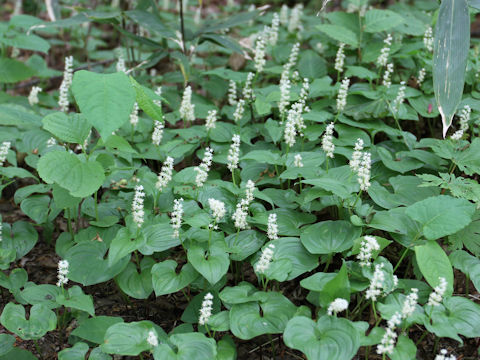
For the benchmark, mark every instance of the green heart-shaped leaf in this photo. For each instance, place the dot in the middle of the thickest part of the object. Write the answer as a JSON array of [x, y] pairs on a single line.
[[80, 178]]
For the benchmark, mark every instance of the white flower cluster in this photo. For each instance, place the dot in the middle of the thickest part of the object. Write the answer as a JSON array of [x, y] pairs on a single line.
[[247, 90], [137, 205], [66, 82], [290, 133], [436, 296], [297, 161], [387, 74], [273, 34], [285, 82], [272, 227], [4, 151], [443, 355], [336, 306], [352, 7], [410, 303], [294, 23], [152, 338], [294, 117], [383, 57], [367, 246], [1, 229], [187, 109], [342, 95], [62, 272], [206, 309], [340, 58], [176, 217], [400, 98], [241, 212], [264, 263], [428, 39], [421, 76], [327, 144], [284, 15], [259, 58], [234, 153], [356, 156], [464, 119], [364, 171], [388, 341], [134, 115], [210, 121], [51, 142], [83, 146], [293, 57], [33, 96], [158, 91], [157, 133], [203, 169], [285, 85], [232, 93], [218, 209], [376, 284], [239, 110], [165, 174], [121, 67]]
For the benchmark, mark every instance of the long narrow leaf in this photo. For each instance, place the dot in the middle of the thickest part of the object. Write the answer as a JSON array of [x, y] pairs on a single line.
[[452, 41]]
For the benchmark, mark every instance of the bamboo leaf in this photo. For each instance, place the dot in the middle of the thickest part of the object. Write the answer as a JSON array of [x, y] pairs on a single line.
[[452, 41]]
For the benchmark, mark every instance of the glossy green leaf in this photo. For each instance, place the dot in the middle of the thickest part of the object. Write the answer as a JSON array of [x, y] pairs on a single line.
[[212, 264], [468, 264], [452, 43], [138, 286], [340, 34], [377, 20], [158, 237], [328, 338], [328, 237], [105, 99], [12, 71], [94, 329], [405, 349], [40, 321], [337, 287], [36, 207], [21, 237], [189, 346], [434, 263], [129, 338], [76, 299], [73, 128], [77, 352], [98, 270], [80, 178], [6, 343], [165, 279], [441, 215], [290, 259], [248, 321]]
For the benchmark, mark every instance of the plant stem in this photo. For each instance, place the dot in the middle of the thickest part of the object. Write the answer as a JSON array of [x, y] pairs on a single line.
[[327, 264], [182, 27], [37, 347], [374, 311], [69, 222], [96, 205], [400, 260]]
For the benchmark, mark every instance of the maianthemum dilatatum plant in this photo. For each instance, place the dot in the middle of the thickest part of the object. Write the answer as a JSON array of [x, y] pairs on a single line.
[[279, 176]]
